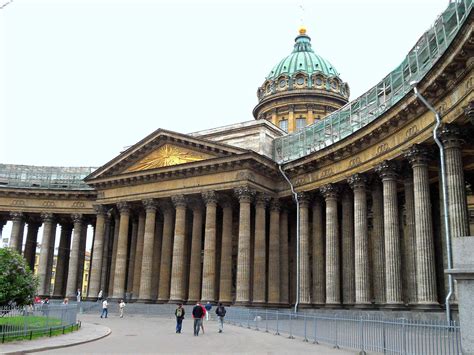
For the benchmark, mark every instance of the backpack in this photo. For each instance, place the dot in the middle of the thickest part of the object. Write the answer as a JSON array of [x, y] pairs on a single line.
[[179, 312]]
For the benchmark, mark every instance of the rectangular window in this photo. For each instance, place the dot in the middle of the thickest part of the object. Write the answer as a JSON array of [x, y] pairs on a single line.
[[300, 123], [284, 125]]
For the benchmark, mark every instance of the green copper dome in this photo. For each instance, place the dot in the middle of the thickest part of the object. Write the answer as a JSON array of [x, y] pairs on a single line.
[[303, 59]]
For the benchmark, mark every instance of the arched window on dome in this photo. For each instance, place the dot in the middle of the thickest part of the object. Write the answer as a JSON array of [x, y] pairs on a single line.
[[283, 124], [300, 123]]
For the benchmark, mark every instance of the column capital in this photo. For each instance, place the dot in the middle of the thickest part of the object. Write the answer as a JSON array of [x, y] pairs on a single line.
[[17, 216], [123, 207], [330, 191], [418, 155], [357, 181], [387, 170], [150, 204], [47, 217], [100, 209], [262, 199], [77, 218], [303, 198], [244, 193], [179, 201], [451, 136], [209, 197], [275, 205]]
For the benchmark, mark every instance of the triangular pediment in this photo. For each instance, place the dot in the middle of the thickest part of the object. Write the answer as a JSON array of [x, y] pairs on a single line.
[[168, 155], [163, 149]]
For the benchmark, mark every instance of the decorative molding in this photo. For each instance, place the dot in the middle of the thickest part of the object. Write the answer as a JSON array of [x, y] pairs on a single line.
[[150, 205], [418, 154], [244, 193], [209, 197], [123, 207], [357, 181], [77, 218], [330, 191], [47, 217], [387, 170], [17, 216], [179, 201]]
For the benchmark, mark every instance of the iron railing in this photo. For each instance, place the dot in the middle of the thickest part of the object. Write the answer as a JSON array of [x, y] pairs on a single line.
[[380, 98], [360, 332], [36, 320]]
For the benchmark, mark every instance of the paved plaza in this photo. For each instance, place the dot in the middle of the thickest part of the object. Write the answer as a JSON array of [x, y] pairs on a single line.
[[141, 335]]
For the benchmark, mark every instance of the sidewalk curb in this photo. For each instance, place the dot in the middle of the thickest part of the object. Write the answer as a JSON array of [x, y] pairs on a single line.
[[44, 348]]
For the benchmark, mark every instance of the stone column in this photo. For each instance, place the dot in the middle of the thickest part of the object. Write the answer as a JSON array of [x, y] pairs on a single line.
[[62, 260], [225, 287], [387, 172], [319, 272], [105, 255], [348, 283], [244, 194], [121, 258], [284, 285], [74, 257], [155, 270], [147, 255], [418, 157], [456, 186], [82, 257], [196, 247], [177, 270], [363, 295], [378, 244], [304, 269], [259, 257], [114, 252], [133, 250], [409, 236], [44, 277], [166, 253], [137, 270], [274, 254], [96, 262], [209, 263], [333, 281], [30, 245], [16, 237]]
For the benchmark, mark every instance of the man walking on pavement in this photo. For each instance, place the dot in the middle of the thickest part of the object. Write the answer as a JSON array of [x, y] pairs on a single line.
[[179, 313], [121, 308], [105, 304], [208, 307], [197, 315], [220, 311]]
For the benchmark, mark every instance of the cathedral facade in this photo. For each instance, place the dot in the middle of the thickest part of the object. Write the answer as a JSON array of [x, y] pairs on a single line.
[[320, 200]]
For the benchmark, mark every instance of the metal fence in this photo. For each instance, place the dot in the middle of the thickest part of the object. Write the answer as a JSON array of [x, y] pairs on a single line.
[[361, 332], [383, 96], [37, 320]]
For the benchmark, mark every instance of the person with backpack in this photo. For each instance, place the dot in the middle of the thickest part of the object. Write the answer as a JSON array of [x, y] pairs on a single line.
[[220, 311], [179, 313], [208, 307], [197, 315]]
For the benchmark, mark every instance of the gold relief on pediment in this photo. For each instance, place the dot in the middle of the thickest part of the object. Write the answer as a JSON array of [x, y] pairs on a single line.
[[168, 155]]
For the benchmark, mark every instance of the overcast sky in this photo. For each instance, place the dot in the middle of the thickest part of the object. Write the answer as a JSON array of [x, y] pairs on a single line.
[[82, 79]]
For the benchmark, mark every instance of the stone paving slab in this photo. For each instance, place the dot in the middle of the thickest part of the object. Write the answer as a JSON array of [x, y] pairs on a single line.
[[88, 332], [153, 335]]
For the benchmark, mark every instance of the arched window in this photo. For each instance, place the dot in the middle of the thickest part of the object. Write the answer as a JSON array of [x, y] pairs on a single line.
[[300, 123], [283, 124]]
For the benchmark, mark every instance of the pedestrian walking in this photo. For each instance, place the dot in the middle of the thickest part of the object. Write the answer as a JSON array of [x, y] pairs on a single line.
[[208, 307], [105, 310], [99, 296], [220, 311], [179, 313], [204, 312], [197, 316], [78, 295], [121, 308]]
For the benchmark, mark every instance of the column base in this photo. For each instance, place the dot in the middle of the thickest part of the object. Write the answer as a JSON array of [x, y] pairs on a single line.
[[333, 306], [426, 307], [364, 306], [394, 306]]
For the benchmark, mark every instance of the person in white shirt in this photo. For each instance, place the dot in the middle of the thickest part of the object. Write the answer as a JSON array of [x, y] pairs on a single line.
[[99, 296], [105, 310], [121, 308]]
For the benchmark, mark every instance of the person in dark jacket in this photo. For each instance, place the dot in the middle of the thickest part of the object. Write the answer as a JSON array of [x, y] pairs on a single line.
[[197, 315], [179, 313], [220, 311]]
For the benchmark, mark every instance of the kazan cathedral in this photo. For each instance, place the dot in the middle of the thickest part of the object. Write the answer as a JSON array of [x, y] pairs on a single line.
[[320, 200]]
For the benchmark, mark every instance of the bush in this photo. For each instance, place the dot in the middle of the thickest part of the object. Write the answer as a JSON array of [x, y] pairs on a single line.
[[17, 282]]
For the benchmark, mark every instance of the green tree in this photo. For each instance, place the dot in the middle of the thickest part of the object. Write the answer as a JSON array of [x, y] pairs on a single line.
[[17, 282]]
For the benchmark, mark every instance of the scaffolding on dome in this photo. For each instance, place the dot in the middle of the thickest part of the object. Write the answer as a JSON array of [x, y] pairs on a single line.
[[380, 98], [44, 177]]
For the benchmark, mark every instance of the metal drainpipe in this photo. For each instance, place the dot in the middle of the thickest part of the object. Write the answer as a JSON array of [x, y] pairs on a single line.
[[297, 238], [445, 198]]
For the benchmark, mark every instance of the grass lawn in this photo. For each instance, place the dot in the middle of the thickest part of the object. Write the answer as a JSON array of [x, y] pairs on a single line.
[[37, 326]]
